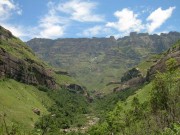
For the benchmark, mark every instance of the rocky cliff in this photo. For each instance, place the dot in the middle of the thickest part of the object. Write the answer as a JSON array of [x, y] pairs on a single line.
[[18, 62], [160, 66]]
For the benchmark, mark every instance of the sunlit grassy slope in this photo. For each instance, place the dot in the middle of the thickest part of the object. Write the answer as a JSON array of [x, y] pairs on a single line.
[[142, 94], [17, 101]]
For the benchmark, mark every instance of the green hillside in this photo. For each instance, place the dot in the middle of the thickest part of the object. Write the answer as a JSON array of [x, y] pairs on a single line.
[[30, 90], [151, 109], [18, 101]]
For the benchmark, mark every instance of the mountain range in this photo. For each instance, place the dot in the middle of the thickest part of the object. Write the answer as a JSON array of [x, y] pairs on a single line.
[[95, 62]]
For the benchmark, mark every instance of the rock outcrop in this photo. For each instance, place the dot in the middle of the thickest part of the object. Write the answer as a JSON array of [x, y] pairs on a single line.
[[25, 71], [131, 78], [130, 74], [23, 67], [37, 111], [62, 73], [160, 65], [75, 88]]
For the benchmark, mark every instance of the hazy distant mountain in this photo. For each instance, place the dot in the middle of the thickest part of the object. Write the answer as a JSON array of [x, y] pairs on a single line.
[[96, 61]]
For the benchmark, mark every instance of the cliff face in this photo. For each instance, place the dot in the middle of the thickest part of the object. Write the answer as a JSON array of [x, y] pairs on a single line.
[[97, 61], [20, 64]]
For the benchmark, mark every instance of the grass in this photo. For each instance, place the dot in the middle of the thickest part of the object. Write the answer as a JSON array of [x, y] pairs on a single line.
[[64, 79], [20, 50], [17, 100], [144, 66], [142, 94]]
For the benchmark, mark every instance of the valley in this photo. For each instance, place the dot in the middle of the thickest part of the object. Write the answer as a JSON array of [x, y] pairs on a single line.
[[90, 86]]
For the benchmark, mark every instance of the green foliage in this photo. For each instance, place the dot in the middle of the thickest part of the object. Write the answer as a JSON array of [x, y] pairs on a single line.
[[42, 88], [158, 114], [13, 129], [174, 129], [99, 130], [107, 103], [171, 64], [160, 93], [68, 110], [18, 100], [130, 74]]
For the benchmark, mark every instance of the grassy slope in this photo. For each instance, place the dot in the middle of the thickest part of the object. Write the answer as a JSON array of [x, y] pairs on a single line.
[[142, 94], [17, 48], [64, 79], [17, 100]]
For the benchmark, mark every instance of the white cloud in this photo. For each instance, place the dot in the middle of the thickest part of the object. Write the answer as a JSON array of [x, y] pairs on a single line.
[[23, 32], [127, 21], [52, 32], [158, 17], [61, 15], [7, 8], [16, 30], [81, 11], [51, 25], [94, 31]]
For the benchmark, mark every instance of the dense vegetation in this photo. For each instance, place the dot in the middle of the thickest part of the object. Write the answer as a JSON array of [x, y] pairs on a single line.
[[158, 114], [64, 110], [68, 110]]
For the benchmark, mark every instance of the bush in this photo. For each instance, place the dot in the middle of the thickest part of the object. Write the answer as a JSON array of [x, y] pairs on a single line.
[[43, 88]]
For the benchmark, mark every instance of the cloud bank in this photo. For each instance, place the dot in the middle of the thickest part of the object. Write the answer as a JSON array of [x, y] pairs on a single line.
[[127, 21], [158, 17], [61, 16]]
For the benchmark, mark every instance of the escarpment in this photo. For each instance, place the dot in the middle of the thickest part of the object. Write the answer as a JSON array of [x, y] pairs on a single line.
[[19, 63]]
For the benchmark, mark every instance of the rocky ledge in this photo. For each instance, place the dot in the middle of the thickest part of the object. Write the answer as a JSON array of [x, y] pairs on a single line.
[[26, 71]]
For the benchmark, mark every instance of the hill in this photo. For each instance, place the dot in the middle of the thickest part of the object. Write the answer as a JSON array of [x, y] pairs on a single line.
[[29, 89], [152, 108]]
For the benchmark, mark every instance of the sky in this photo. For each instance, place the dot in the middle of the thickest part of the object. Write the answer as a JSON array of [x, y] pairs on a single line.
[[53, 19]]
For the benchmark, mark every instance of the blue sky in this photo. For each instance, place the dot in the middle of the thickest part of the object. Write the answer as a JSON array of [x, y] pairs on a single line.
[[28, 19]]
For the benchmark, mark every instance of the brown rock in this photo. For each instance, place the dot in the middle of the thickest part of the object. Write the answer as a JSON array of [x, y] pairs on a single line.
[[37, 111], [25, 71], [160, 66]]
